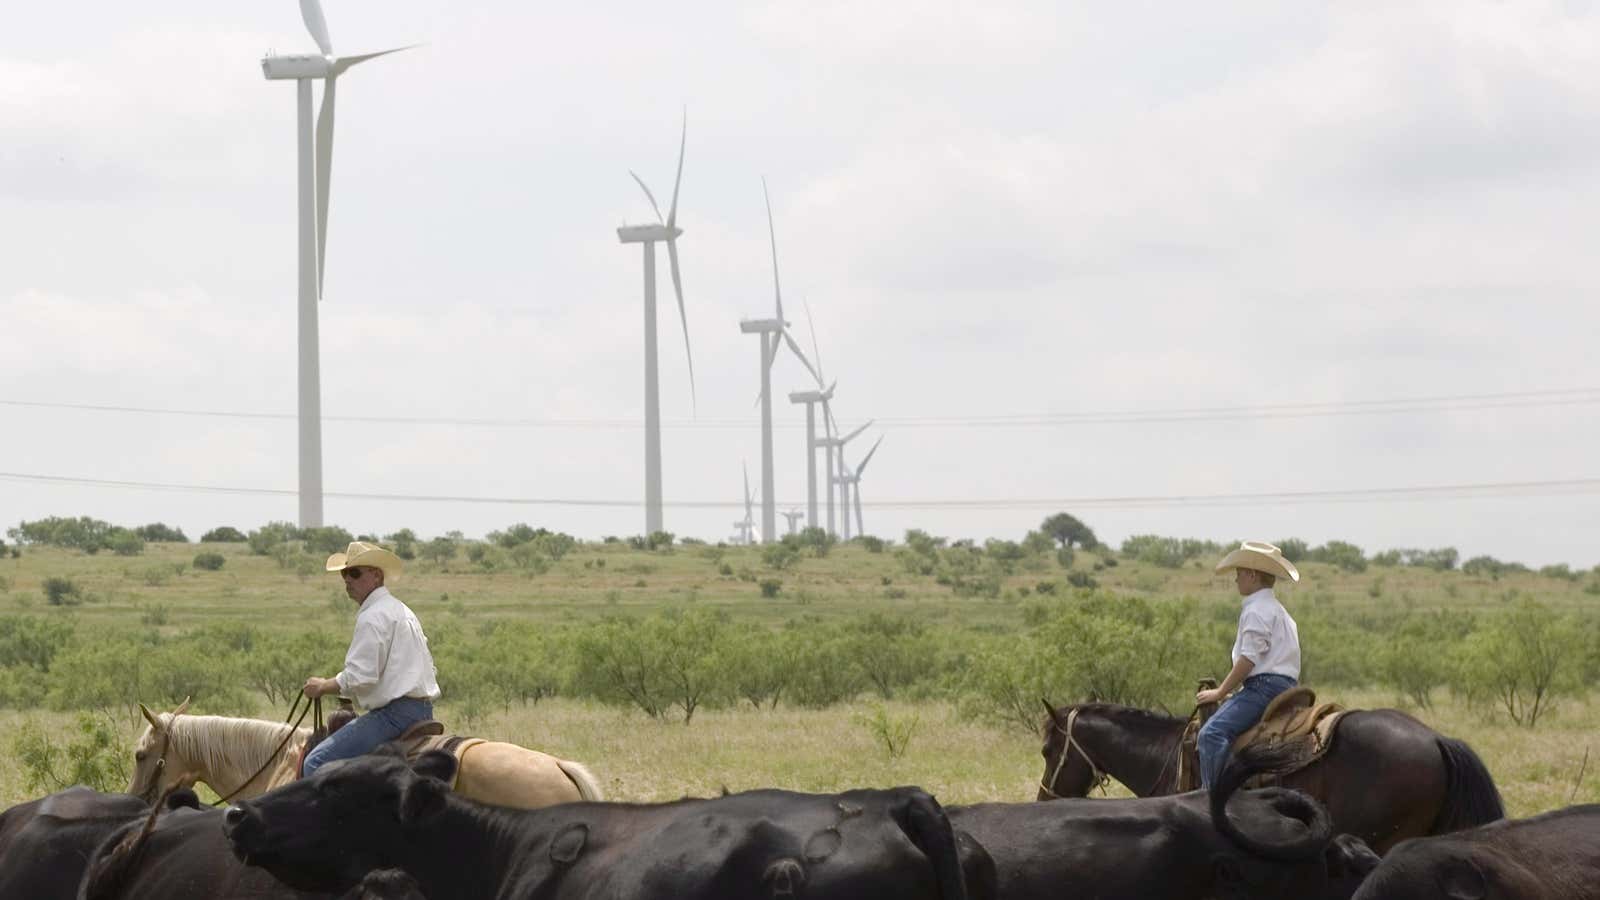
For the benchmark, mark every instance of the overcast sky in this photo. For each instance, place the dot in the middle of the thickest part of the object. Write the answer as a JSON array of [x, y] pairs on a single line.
[[993, 209]]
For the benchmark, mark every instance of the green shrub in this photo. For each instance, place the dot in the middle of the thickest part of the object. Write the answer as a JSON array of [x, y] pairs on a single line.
[[158, 533], [770, 587], [124, 542], [210, 561], [62, 591], [893, 733], [225, 534], [95, 758], [872, 544]]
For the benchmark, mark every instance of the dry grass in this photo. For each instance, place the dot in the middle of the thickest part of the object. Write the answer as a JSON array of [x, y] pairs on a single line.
[[640, 759]]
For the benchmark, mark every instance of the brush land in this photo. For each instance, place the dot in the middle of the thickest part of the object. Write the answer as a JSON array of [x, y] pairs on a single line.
[[808, 667]]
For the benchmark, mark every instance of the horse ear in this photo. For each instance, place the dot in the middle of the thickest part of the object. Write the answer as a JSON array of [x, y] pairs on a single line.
[[1051, 710], [182, 707], [150, 717]]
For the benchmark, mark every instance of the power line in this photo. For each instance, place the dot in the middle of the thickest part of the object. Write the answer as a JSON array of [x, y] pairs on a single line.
[[1274, 411], [1483, 490]]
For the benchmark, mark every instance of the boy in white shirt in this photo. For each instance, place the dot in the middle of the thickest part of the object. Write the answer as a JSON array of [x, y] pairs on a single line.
[[1266, 654], [388, 669]]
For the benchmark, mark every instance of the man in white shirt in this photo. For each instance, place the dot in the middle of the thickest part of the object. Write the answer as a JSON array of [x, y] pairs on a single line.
[[388, 669], [1266, 654]]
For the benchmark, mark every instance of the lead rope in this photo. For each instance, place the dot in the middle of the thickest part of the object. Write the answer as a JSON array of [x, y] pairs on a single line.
[[281, 744]]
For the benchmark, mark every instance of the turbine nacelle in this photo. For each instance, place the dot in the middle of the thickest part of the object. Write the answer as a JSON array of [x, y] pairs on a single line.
[[310, 65], [761, 326], [642, 234]]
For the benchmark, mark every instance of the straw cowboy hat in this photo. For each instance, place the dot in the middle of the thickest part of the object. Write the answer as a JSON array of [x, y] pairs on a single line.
[[1258, 555], [361, 553]]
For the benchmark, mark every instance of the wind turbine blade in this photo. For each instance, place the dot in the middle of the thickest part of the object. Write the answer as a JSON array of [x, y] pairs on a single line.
[[311, 13], [801, 356], [324, 172], [772, 232], [860, 528], [343, 63], [811, 325], [683, 141], [683, 315], [862, 468], [852, 435], [647, 194], [747, 491]]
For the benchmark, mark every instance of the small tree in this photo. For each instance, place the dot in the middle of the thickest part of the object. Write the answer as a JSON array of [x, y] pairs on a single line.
[[1525, 660], [210, 560], [1067, 530], [158, 533], [225, 534], [404, 543], [439, 550]]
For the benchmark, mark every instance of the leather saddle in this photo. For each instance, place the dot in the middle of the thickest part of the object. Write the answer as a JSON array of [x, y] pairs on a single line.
[[414, 741], [1293, 717]]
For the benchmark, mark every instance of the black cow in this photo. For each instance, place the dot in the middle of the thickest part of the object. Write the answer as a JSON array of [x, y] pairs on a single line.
[[1257, 844], [45, 843], [183, 857], [386, 884], [326, 832], [1554, 855]]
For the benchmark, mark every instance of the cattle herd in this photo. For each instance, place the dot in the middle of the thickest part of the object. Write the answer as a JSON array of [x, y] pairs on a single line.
[[381, 827]]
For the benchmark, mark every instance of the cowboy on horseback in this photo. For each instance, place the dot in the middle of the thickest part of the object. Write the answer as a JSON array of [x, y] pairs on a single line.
[[1266, 654], [388, 669]]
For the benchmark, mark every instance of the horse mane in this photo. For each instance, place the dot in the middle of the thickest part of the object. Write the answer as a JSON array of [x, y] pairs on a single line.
[[224, 745], [1132, 717]]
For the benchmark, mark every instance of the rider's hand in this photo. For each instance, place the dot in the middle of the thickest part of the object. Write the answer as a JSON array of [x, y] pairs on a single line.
[[319, 687], [1205, 697]]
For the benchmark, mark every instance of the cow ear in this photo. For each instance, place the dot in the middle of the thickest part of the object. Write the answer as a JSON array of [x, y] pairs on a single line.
[[1461, 879], [436, 764], [421, 799]]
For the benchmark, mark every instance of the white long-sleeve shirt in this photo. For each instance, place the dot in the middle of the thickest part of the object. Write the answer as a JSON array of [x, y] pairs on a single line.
[[388, 657], [1268, 636]]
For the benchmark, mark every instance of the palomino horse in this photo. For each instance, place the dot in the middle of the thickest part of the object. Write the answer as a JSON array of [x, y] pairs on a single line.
[[1386, 777], [225, 753]]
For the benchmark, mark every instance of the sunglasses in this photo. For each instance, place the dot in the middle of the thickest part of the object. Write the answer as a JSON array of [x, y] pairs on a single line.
[[353, 574]]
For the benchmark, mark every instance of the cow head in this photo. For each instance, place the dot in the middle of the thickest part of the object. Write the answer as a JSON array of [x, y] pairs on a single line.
[[1442, 868], [326, 832], [386, 884], [158, 766]]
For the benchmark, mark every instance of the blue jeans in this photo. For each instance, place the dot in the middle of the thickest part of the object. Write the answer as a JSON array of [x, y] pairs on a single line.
[[365, 732], [1237, 715]]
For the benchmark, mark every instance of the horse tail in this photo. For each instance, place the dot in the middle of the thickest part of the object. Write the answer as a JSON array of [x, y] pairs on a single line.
[[588, 785], [1471, 798]]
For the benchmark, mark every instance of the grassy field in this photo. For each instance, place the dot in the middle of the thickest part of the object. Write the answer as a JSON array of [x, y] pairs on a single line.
[[639, 758]]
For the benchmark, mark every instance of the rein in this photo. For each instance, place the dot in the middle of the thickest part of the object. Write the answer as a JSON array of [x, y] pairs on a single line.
[[1098, 776], [274, 755]]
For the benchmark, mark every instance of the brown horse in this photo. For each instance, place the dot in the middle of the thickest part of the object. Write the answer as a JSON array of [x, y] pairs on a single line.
[[1387, 776]]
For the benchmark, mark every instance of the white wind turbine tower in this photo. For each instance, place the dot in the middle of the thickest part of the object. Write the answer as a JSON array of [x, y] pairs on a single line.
[[849, 479], [811, 399], [315, 171], [668, 231], [773, 332], [833, 444], [747, 525]]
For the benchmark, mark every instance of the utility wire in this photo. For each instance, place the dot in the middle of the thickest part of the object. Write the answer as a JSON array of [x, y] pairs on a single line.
[[1554, 487], [1303, 410]]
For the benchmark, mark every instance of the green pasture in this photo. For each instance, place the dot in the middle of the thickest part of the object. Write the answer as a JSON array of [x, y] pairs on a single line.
[[918, 663]]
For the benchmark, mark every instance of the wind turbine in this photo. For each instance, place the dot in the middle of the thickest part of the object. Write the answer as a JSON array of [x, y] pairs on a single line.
[[649, 235], [847, 479], [833, 443], [811, 399], [746, 525], [773, 331], [315, 172]]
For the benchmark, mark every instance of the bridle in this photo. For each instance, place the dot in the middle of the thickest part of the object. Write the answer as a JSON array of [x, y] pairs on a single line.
[[1097, 775], [166, 744]]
